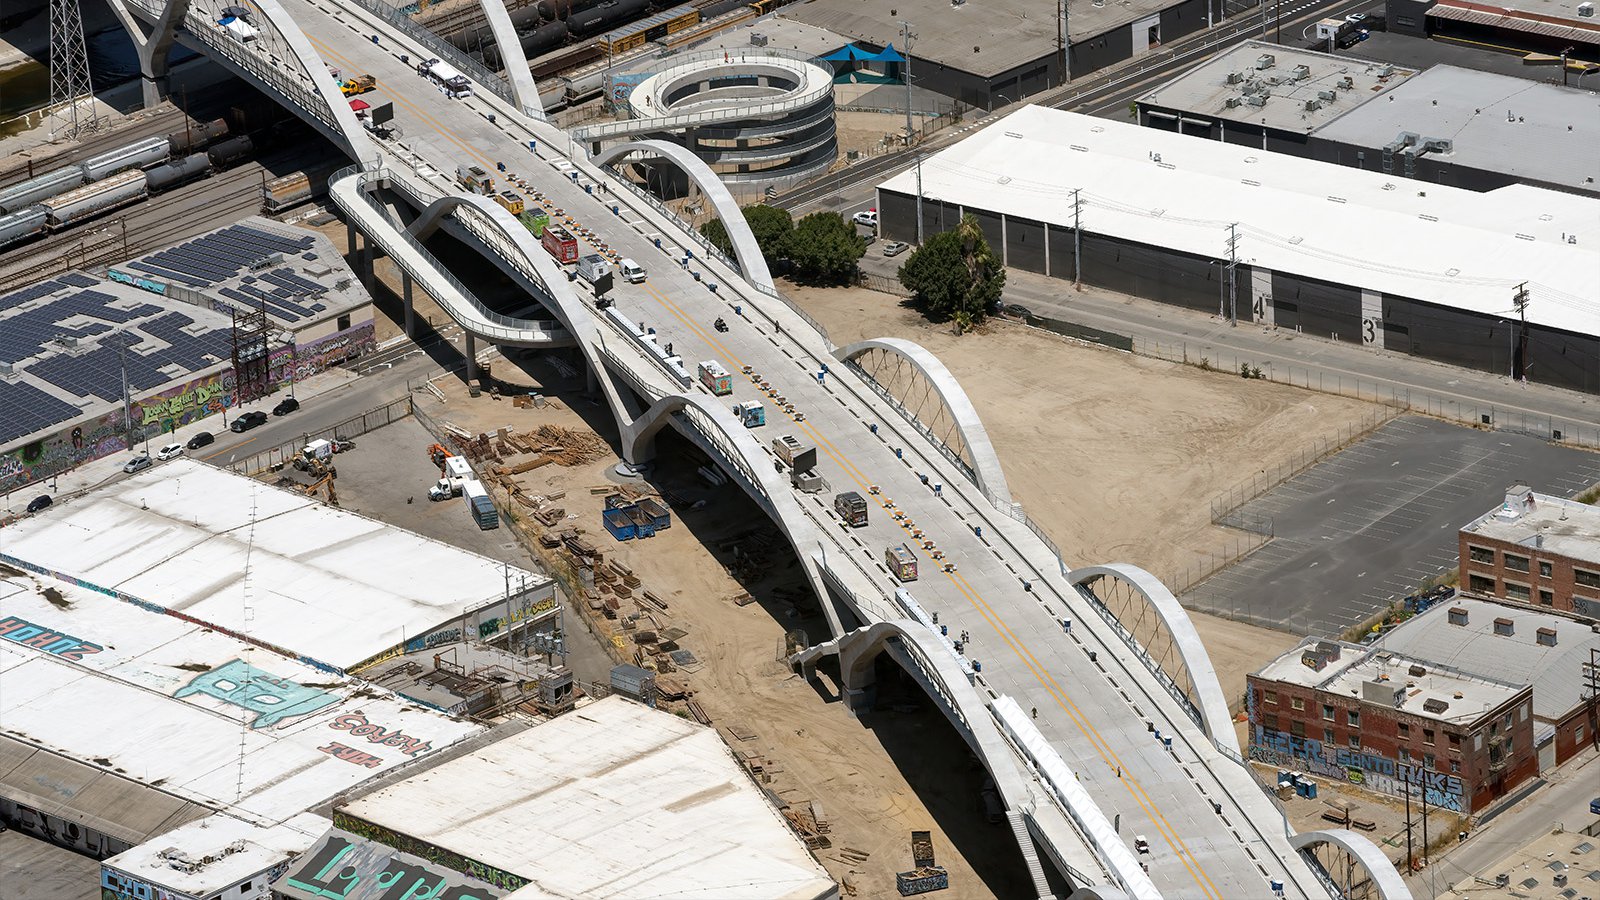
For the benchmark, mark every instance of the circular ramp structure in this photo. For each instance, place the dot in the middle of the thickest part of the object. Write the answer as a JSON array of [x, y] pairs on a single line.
[[758, 116]]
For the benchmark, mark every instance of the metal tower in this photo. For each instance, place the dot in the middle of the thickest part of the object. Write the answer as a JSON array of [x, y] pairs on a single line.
[[69, 67]]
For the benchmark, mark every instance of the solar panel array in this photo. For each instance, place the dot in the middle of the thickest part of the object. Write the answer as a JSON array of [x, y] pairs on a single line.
[[226, 254], [95, 372]]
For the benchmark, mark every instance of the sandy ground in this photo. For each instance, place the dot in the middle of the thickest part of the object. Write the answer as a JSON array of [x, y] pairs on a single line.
[[898, 769], [1116, 456]]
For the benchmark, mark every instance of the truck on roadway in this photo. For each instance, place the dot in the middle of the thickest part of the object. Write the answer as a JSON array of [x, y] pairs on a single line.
[[357, 85], [475, 179], [479, 504], [852, 508], [560, 243]]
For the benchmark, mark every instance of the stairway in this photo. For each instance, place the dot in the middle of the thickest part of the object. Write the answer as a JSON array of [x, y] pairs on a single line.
[[1029, 854]]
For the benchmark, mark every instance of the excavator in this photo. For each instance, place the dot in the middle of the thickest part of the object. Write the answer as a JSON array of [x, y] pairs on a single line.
[[326, 481]]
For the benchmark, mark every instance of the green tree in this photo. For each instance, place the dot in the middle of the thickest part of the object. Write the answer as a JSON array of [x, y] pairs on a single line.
[[770, 225], [824, 249], [954, 275]]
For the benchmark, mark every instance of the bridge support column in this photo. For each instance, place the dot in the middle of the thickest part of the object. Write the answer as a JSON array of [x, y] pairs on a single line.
[[411, 308], [472, 359], [858, 680], [367, 276]]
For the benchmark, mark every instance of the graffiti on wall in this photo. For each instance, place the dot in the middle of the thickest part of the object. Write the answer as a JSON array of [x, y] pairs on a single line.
[[1369, 770], [21, 631], [488, 874], [429, 641], [301, 361], [345, 867], [115, 885], [171, 410], [271, 698], [528, 610], [358, 726]]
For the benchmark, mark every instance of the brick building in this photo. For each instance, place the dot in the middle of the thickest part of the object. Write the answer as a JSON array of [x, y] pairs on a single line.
[[1383, 720], [1535, 549]]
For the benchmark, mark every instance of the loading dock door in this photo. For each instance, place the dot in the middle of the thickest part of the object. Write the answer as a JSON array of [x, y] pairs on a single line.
[[1146, 34]]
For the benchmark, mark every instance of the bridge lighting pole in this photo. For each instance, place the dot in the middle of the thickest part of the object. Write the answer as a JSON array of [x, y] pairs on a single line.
[[905, 69]]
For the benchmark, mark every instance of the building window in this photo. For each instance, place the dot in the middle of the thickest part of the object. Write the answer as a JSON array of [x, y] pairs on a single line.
[[1511, 743], [1327, 735], [1405, 21], [1516, 563], [1405, 755], [1578, 733], [1585, 578], [1544, 569], [1270, 721], [1355, 718], [1516, 591], [1455, 741], [1327, 712], [1297, 728], [1480, 555], [1297, 703], [1427, 736], [1455, 766], [245, 888], [1428, 761], [1583, 606], [1355, 741], [344, 322], [1547, 597], [1480, 584], [1271, 697], [1405, 731]]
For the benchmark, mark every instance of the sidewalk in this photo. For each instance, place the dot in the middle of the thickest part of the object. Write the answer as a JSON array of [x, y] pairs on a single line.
[[1182, 335], [97, 472]]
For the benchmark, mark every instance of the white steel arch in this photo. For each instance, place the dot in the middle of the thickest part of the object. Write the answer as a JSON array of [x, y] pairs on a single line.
[[1211, 702], [752, 265], [152, 44], [1384, 875], [986, 471], [512, 57], [755, 476]]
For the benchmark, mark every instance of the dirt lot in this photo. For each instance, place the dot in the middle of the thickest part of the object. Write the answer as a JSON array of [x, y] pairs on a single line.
[[1116, 456]]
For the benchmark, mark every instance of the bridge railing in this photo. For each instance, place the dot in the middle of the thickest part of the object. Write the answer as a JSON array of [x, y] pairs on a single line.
[[297, 91], [922, 429]]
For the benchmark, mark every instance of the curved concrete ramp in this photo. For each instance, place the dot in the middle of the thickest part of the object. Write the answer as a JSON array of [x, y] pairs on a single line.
[[1210, 700], [1383, 873], [745, 249], [986, 471]]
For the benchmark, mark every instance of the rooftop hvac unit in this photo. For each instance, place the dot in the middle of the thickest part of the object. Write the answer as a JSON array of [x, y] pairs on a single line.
[[1302, 72], [1383, 693], [8, 368], [1385, 71], [1257, 99], [1265, 61], [1313, 104], [1329, 96], [1232, 102], [1235, 77], [1347, 83], [757, 39], [1585, 10]]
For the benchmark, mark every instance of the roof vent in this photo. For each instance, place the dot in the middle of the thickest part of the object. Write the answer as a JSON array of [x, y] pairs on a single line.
[[1505, 627], [1458, 695], [1434, 705], [1416, 671], [1546, 637]]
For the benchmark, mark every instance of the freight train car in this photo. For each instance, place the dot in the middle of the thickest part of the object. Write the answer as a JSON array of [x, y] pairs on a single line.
[[179, 171], [27, 193], [22, 224], [93, 199], [230, 151], [197, 137], [136, 155], [650, 28], [608, 14]]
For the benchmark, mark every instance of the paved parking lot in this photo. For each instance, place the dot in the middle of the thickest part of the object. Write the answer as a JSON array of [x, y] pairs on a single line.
[[1366, 526], [32, 869]]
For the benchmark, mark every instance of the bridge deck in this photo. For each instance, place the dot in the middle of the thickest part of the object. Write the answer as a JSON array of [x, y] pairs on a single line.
[[1094, 718]]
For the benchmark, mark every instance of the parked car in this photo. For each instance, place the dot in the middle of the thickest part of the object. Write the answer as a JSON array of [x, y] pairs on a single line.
[[1356, 18], [286, 406], [137, 464], [867, 217], [40, 502], [1018, 310], [200, 440], [247, 421], [170, 451], [1594, 805], [895, 248]]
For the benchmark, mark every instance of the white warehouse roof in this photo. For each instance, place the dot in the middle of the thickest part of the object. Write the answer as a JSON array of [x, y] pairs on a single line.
[[191, 714], [613, 800], [1443, 245], [328, 585]]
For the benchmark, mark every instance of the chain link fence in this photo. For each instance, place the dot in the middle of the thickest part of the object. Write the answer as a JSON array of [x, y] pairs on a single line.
[[355, 426]]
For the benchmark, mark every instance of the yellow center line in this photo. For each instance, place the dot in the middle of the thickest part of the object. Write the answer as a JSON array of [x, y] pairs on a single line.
[[996, 621], [981, 606]]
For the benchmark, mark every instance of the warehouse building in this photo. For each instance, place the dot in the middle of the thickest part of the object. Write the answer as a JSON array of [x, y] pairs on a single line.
[[1392, 723], [1515, 643], [1446, 125], [277, 568], [167, 320], [1339, 253], [993, 53], [1535, 549], [612, 800], [1545, 26], [131, 734]]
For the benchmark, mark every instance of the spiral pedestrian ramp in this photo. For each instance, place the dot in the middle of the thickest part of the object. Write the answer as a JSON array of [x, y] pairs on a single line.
[[756, 117]]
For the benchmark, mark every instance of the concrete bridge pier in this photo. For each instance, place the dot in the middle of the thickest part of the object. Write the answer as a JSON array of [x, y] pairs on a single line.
[[410, 307], [472, 359]]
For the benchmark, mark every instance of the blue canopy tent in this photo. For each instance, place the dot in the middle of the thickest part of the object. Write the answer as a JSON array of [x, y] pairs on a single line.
[[850, 54]]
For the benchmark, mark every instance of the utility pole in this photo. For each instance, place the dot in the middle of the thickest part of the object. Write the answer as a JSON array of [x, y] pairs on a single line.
[[919, 199], [127, 399], [1592, 694], [1410, 857], [1520, 300], [1424, 794], [1063, 36], [905, 70], [1233, 272], [1077, 240]]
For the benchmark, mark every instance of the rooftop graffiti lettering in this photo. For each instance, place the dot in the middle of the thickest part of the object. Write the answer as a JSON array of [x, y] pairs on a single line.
[[21, 631], [358, 726], [271, 698]]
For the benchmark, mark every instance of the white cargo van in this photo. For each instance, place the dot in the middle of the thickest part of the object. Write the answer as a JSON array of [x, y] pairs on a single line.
[[632, 272]]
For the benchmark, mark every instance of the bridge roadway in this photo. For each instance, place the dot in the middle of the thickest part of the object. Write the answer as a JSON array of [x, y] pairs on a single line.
[[1096, 715]]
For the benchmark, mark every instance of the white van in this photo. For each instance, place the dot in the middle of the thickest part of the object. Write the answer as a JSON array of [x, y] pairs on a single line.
[[632, 272]]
